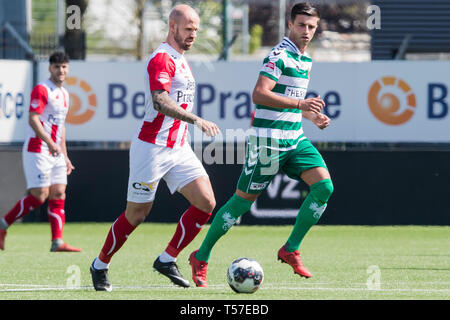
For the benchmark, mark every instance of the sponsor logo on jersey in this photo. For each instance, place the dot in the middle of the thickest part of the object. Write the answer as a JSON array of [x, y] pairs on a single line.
[[163, 77], [185, 97], [269, 66], [34, 103], [57, 118], [297, 93]]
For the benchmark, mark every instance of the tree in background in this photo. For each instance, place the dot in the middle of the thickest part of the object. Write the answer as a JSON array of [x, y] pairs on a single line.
[[255, 38], [43, 27], [139, 15]]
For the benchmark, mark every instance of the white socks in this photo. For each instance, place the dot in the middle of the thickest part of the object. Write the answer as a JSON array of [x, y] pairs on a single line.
[[165, 257], [99, 265]]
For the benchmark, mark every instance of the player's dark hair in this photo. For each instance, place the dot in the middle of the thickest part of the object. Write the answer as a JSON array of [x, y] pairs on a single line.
[[59, 57], [304, 8]]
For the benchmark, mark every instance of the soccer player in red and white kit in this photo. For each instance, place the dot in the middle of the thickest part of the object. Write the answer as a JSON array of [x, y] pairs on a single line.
[[160, 151], [45, 161]]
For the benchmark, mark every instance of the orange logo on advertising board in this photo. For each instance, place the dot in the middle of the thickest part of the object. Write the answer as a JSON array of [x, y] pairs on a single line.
[[76, 115], [386, 106]]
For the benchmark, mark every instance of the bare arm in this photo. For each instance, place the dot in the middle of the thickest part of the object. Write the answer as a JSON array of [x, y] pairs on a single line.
[[164, 104], [69, 165], [319, 119], [36, 125], [63, 141], [263, 94]]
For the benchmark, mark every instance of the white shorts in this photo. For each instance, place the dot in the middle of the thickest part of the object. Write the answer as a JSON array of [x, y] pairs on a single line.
[[43, 170], [149, 163]]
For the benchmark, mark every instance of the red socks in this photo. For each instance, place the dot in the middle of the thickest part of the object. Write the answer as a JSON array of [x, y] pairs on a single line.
[[56, 217], [56, 214], [118, 234], [22, 208], [190, 224]]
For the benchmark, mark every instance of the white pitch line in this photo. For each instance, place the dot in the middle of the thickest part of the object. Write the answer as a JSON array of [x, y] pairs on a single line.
[[34, 287], [30, 285], [24, 288], [359, 289], [22, 285], [42, 289]]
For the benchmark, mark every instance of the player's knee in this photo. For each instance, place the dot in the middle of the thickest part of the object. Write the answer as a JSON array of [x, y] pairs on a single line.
[[247, 196], [211, 204], [137, 213], [57, 194], [322, 190], [40, 193], [137, 217], [207, 204]]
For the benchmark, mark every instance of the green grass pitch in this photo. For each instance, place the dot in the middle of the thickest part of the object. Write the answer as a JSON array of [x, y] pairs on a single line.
[[347, 262]]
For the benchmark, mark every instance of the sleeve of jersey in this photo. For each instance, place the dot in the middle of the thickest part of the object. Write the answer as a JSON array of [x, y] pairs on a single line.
[[309, 72], [38, 99], [272, 67], [161, 70]]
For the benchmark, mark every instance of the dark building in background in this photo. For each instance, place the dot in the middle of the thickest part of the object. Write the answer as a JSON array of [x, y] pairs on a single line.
[[411, 26], [342, 16], [266, 15], [74, 40]]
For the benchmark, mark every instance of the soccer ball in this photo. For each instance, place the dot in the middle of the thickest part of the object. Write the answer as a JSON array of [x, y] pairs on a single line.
[[245, 275]]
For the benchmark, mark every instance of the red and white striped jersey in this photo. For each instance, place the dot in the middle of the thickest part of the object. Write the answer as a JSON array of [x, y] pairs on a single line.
[[167, 70], [52, 103]]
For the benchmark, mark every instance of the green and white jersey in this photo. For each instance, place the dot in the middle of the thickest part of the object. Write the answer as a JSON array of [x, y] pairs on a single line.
[[282, 128]]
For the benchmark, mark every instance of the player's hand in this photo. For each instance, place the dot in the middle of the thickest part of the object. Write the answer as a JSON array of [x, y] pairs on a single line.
[[321, 121], [312, 104], [69, 166], [210, 128], [55, 149]]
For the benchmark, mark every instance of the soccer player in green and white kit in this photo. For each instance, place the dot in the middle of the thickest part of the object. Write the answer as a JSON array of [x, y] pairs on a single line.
[[278, 144]]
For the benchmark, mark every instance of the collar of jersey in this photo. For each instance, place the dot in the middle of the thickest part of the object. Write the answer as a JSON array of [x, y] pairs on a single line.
[[50, 84], [172, 51], [294, 47]]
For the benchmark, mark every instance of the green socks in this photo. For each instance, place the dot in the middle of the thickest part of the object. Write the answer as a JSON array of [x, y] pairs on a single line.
[[223, 221], [310, 212]]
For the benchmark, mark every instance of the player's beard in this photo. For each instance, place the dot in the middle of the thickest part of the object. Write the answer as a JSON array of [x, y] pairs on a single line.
[[182, 43], [58, 79]]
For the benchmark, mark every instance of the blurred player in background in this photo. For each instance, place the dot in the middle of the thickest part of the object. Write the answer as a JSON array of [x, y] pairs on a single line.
[[278, 144], [44, 154], [160, 151]]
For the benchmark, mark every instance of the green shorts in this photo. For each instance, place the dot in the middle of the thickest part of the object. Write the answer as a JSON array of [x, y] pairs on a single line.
[[263, 164]]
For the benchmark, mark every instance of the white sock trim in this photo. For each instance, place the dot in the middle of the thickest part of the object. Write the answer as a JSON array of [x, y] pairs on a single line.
[[165, 257], [100, 265]]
